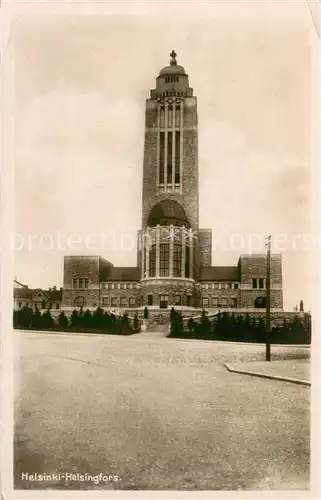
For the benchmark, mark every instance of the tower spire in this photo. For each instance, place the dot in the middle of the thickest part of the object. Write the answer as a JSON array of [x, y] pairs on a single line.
[[173, 55]]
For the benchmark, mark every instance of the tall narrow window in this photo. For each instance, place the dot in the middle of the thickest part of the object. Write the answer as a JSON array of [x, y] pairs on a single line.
[[162, 117], [205, 302], [177, 300], [215, 302], [145, 268], [170, 158], [233, 302], [187, 267], [254, 283], [164, 259], [75, 283], [152, 261], [178, 116], [161, 157], [170, 116], [177, 157], [261, 283], [177, 261]]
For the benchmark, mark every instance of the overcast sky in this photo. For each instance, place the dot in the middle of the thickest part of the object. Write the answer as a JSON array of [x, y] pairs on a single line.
[[80, 89]]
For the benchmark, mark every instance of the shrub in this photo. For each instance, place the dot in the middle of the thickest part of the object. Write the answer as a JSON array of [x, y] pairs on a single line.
[[23, 318], [63, 320], [177, 327], [74, 318], [36, 321], [136, 322], [47, 320], [124, 325]]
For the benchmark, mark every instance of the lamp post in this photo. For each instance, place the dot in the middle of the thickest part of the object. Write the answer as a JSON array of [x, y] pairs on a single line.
[[268, 300]]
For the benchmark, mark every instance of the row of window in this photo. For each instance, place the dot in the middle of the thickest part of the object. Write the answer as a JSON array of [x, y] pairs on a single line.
[[220, 286], [80, 283], [163, 300], [132, 302], [259, 283], [119, 302], [164, 270], [218, 302], [40, 305], [171, 110], [171, 79], [118, 286], [171, 93]]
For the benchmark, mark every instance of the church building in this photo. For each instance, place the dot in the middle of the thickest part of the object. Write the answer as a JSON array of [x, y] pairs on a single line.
[[174, 255]]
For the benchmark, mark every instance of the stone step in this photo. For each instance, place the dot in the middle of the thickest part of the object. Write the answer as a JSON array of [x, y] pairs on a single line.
[[158, 328]]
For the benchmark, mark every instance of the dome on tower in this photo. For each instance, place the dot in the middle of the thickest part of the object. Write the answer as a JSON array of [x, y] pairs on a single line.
[[173, 68]]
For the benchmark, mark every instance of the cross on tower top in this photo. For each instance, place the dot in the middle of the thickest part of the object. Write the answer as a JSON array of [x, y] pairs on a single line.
[[173, 57]]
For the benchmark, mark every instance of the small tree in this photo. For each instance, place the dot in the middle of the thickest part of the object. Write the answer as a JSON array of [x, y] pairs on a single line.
[[87, 319], [47, 320], [146, 313], [191, 325], [63, 320], [124, 324], [205, 325], [260, 330], [301, 306], [98, 318], [136, 322], [36, 319], [177, 327], [74, 318], [307, 327], [23, 318]]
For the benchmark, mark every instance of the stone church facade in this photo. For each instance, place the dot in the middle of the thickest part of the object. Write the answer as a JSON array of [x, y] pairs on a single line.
[[174, 255]]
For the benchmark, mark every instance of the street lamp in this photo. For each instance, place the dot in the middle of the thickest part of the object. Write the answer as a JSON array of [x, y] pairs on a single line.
[[268, 300]]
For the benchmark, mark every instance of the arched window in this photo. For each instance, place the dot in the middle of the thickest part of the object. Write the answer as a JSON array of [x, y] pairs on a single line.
[[260, 303], [79, 302]]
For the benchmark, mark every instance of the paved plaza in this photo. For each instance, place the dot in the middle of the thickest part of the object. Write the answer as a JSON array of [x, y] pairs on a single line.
[[158, 413]]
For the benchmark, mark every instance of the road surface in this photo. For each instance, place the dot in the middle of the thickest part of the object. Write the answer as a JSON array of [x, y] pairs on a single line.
[[157, 413]]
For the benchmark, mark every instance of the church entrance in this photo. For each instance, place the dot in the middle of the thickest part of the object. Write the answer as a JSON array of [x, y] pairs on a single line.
[[163, 301]]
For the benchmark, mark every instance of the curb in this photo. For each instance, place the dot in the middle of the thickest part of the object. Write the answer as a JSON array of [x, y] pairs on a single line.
[[262, 375]]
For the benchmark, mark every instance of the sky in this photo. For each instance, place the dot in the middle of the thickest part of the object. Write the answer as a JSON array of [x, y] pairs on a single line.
[[80, 87]]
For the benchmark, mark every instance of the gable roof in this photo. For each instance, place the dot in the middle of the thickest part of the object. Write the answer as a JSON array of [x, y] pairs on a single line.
[[17, 284], [38, 291], [22, 293], [120, 274], [28, 293], [54, 295], [219, 273]]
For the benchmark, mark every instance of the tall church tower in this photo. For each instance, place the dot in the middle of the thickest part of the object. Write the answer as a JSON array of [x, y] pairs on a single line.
[[174, 256], [170, 155], [171, 246]]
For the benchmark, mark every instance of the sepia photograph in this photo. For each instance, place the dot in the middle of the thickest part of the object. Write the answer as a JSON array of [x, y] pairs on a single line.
[[163, 247]]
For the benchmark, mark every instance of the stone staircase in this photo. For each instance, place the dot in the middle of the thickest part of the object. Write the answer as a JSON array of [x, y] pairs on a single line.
[[156, 331]]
